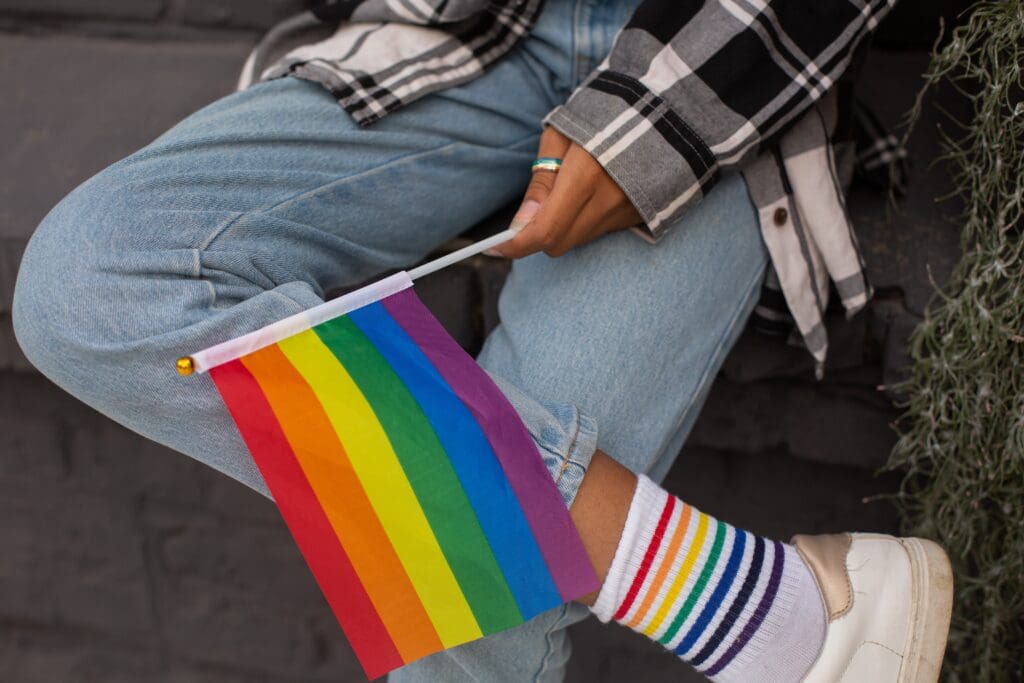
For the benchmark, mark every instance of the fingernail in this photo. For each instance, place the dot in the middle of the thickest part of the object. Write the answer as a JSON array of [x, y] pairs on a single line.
[[493, 252], [525, 214]]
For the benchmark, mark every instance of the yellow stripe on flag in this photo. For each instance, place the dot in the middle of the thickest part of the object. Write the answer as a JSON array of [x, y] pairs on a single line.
[[386, 485]]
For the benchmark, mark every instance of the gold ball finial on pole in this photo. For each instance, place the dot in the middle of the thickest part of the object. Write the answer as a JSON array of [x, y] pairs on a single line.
[[185, 366]]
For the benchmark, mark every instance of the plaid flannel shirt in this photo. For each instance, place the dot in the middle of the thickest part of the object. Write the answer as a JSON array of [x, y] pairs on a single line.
[[700, 86]]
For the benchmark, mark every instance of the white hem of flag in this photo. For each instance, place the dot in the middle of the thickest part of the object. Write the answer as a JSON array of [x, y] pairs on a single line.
[[233, 349]]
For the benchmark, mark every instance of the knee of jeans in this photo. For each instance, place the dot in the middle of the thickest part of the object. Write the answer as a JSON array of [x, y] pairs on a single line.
[[50, 300], [77, 300]]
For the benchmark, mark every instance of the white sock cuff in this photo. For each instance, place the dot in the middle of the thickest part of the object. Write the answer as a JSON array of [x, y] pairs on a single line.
[[645, 509]]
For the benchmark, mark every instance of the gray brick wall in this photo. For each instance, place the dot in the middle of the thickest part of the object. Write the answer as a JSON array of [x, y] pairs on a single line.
[[123, 561]]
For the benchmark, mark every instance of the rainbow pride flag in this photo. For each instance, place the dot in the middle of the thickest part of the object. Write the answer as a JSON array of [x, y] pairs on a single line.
[[409, 483]]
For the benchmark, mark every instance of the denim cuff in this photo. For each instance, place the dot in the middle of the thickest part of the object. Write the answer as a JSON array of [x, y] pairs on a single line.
[[565, 437]]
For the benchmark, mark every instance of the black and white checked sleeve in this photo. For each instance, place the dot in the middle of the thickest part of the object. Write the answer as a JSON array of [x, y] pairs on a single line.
[[692, 87]]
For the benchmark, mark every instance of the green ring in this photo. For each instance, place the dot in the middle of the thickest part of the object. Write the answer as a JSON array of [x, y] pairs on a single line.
[[546, 164]]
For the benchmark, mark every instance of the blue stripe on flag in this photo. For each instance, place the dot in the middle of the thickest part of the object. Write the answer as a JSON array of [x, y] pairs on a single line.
[[476, 465]]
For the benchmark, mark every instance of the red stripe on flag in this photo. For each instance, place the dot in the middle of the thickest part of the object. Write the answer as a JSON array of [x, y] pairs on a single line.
[[305, 519], [645, 565]]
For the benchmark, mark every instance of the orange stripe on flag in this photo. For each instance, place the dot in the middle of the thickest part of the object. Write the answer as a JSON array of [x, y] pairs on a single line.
[[326, 465], [306, 520]]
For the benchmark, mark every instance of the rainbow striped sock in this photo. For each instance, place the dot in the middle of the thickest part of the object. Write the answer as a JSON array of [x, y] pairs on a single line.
[[736, 606]]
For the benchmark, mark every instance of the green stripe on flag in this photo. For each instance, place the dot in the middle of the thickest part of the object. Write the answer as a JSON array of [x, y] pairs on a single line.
[[430, 473]]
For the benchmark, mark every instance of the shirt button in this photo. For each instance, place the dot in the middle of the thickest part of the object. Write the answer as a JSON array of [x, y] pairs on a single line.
[[780, 217]]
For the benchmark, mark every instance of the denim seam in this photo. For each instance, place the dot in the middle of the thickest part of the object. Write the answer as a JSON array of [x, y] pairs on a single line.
[[555, 450], [548, 648], [197, 273], [555, 445], [222, 231], [577, 20], [298, 305], [561, 470], [567, 458], [549, 645], [584, 425], [573, 455]]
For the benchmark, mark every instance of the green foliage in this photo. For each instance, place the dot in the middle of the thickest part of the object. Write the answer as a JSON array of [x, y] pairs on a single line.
[[962, 436]]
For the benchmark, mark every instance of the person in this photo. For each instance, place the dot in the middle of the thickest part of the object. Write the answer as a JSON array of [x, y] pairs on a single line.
[[710, 128]]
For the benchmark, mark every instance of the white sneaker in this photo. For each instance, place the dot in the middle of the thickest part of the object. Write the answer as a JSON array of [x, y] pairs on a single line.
[[888, 602]]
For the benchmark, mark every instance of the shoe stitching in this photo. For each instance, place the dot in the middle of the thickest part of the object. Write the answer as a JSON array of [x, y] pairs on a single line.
[[849, 584], [883, 646], [846, 669], [918, 575]]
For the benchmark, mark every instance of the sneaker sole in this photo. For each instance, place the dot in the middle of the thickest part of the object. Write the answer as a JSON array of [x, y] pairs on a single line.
[[932, 607]]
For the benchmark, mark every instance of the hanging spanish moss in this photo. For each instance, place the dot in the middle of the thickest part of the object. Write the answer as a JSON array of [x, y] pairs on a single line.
[[962, 436]]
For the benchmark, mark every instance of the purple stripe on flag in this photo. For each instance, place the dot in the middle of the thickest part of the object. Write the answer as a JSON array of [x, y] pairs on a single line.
[[559, 542]]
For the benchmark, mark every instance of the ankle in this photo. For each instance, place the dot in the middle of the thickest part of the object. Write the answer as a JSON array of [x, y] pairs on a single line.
[[600, 510]]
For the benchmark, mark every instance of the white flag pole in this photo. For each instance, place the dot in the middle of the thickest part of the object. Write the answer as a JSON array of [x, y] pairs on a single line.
[[464, 253]]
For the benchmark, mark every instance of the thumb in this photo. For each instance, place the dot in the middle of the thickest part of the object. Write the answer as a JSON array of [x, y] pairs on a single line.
[[525, 214], [536, 193], [527, 210], [552, 144]]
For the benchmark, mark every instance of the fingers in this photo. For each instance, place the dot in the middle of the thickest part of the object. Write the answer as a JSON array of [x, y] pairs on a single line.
[[545, 230], [578, 212], [552, 144], [541, 184], [549, 224], [569, 208]]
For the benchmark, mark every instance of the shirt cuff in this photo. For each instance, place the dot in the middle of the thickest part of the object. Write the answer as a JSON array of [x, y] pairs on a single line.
[[662, 165]]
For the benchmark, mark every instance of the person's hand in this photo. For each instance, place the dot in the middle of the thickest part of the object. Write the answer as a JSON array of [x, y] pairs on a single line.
[[563, 210]]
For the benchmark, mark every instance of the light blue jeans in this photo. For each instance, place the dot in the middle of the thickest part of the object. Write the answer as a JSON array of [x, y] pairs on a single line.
[[252, 208]]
